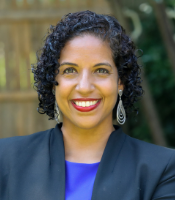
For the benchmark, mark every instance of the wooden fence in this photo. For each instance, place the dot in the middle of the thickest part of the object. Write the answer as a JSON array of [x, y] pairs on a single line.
[[23, 25]]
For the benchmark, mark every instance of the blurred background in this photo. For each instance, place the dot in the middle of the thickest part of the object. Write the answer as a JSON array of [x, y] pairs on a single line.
[[151, 24]]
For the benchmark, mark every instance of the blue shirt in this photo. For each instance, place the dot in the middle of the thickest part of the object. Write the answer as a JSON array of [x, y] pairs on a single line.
[[79, 180]]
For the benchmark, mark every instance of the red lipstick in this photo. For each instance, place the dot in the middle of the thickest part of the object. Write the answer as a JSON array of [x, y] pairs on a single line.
[[85, 99], [85, 109]]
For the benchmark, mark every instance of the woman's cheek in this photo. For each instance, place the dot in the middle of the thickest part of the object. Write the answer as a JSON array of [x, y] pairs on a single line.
[[110, 88], [65, 89]]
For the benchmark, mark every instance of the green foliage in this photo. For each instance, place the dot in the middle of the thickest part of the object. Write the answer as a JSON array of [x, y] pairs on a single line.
[[161, 81], [137, 125], [170, 3]]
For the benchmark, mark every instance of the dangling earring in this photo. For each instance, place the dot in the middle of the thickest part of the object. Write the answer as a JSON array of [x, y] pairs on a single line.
[[53, 91], [57, 113], [121, 115]]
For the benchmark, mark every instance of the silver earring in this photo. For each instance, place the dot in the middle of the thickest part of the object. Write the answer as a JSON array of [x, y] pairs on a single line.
[[58, 114], [121, 115], [53, 91]]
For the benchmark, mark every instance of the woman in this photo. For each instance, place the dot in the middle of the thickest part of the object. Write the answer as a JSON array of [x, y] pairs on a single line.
[[88, 71]]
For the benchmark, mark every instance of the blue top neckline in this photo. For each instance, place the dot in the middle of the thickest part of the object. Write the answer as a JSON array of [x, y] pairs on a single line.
[[82, 163]]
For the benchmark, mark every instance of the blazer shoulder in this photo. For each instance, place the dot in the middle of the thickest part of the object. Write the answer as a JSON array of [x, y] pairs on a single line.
[[16, 145], [20, 140], [151, 154], [156, 161], [144, 147]]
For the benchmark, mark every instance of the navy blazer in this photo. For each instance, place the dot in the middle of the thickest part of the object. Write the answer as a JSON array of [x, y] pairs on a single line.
[[33, 168]]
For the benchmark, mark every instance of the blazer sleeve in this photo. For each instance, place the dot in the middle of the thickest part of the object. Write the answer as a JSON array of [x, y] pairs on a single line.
[[165, 189]]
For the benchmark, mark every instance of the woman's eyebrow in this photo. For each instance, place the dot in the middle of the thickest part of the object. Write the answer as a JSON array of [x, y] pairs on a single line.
[[68, 63], [96, 65], [99, 64]]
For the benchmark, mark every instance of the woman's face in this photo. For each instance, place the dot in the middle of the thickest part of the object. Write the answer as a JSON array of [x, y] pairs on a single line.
[[87, 70]]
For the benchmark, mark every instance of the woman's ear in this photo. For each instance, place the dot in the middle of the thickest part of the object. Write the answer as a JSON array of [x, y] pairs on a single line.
[[120, 85]]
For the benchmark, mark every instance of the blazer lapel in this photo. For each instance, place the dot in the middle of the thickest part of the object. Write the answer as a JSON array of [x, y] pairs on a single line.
[[103, 186], [57, 164]]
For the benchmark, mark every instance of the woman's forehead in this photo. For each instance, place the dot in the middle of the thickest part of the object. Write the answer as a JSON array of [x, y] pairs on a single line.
[[87, 46]]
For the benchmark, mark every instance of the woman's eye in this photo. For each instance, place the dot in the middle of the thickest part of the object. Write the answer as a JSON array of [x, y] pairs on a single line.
[[104, 71], [69, 70]]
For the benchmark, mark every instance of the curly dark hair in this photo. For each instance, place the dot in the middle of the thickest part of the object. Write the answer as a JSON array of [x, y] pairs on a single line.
[[86, 22]]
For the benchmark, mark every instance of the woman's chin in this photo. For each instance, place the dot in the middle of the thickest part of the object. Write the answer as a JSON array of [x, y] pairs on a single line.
[[86, 123]]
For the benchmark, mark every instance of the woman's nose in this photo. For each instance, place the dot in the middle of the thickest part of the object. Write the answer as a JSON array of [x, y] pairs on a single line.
[[85, 83]]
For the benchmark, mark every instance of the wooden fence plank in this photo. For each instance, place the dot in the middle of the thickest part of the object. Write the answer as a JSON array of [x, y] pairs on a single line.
[[89, 3], [24, 119], [13, 4], [39, 15], [7, 56], [18, 96], [2, 58], [25, 4], [3, 4], [26, 46], [15, 35]]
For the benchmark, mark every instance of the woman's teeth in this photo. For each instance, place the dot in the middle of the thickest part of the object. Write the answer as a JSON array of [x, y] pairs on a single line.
[[85, 103]]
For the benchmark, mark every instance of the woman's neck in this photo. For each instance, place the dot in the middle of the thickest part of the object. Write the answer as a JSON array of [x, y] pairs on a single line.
[[85, 145]]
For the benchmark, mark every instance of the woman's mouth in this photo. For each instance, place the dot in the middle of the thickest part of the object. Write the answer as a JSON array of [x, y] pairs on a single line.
[[85, 106]]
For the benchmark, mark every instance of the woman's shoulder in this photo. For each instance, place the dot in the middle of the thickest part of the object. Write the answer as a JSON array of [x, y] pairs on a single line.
[[145, 147], [16, 144], [150, 154], [17, 153], [153, 164]]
